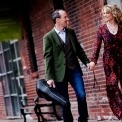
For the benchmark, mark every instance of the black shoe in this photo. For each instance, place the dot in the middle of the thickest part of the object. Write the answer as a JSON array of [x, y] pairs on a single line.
[[83, 120]]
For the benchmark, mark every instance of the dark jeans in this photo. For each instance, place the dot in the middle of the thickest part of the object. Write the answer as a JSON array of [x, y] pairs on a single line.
[[77, 83]]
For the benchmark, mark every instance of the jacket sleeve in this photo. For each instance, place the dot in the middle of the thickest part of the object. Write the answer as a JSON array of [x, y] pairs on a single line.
[[80, 52], [48, 57]]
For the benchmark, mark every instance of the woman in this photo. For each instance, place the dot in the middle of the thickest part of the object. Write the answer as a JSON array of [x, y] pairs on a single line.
[[111, 35]]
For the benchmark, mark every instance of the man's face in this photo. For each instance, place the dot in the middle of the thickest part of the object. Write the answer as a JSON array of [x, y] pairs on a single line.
[[63, 21]]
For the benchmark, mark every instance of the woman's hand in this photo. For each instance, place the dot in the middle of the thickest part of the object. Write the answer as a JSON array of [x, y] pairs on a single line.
[[91, 65]]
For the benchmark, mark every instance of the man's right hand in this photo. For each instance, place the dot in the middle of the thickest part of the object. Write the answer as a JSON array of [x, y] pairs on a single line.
[[51, 83]]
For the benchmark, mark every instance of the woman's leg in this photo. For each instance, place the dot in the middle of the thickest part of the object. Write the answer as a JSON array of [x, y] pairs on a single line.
[[114, 95]]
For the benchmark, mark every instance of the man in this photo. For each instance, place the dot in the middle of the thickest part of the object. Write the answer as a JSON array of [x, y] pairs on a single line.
[[61, 49]]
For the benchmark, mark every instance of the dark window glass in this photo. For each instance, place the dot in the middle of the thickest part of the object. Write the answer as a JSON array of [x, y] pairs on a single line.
[[8, 60], [8, 106], [5, 85], [5, 45], [15, 106], [2, 66], [12, 83], [15, 69], [12, 51]]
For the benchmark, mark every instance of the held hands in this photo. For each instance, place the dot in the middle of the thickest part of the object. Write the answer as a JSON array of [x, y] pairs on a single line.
[[51, 83], [91, 65]]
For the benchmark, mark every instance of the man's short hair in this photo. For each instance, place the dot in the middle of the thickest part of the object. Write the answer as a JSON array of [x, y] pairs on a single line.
[[56, 15]]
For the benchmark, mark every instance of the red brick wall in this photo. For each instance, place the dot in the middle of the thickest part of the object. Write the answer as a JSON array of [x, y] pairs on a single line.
[[84, 18], [2, 106], [41, 23]]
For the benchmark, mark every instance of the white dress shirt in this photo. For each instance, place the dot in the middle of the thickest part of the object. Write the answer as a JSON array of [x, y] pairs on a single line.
[[62, 34]]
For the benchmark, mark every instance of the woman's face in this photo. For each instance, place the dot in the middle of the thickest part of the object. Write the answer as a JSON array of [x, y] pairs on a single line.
[[108, 16]]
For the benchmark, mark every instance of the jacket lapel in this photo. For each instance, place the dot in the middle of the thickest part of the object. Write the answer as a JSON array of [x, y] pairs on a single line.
[[55, 37]]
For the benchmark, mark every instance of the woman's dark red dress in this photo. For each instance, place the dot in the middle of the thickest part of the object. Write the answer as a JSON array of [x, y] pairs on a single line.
[[112, 62]]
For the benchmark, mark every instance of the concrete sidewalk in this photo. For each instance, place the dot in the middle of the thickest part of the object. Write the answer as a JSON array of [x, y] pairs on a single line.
[[21, 120]]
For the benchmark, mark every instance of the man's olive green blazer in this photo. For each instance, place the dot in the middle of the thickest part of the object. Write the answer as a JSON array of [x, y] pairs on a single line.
[[54, 56]]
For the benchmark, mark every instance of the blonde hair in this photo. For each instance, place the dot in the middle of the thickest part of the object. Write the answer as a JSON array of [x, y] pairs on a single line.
[[115, 11]]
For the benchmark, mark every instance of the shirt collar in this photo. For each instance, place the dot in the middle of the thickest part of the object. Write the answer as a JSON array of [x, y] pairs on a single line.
[[57, 31]]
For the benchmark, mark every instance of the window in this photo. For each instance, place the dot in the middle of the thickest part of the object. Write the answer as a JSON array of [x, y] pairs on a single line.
[[12, 77]]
